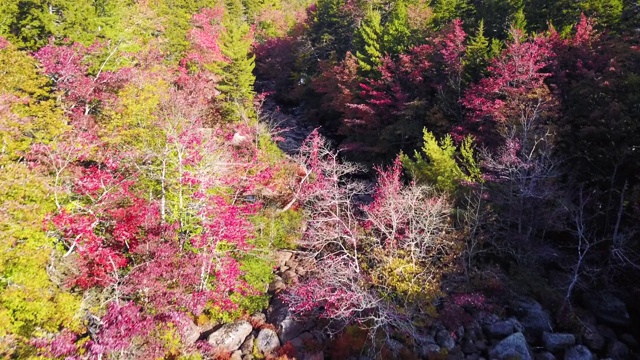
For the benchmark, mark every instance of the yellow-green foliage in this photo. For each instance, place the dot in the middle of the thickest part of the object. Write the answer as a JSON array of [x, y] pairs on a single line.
[[277, 229], [405, 279], [35, 115], [269, 150], [441, 164], [30, 302], [134, 124]]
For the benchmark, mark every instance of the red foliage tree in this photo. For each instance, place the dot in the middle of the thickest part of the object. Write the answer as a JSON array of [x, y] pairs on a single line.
[[83, 94]]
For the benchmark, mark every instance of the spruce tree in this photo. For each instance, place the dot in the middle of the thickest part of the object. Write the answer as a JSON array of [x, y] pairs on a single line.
[[446, 11], [367, 41], [332, 29], [237, 80], [519, 21], [477, 54], [395, 37]]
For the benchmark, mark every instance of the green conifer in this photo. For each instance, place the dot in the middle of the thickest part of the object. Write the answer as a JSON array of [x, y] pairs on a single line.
[[367, 41], [477, 54], [237, 80], [395, 38]]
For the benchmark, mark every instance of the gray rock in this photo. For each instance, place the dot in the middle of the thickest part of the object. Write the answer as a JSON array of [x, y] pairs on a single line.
[[267, 341], [481, 345], [513, 347], [289, 277], [555, 341], [230, 336], [609, 309], [617, 350], [430, 349], [445, 340], [277, 285], [579, 352], [191, 332], [502, 329], [592, 338], [472, 357], [545, 356], [533, 317], [237, 355], [258, 319], [281, 258], [289, 328], [247, 357], [468, 346], [247, 345]]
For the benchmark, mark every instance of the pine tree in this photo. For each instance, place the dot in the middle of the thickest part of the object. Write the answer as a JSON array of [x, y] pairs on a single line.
[[519, 21], [395, 37], [332, 29], [446, 10], [496, 15], [441, 164], [367, 41], [237, 81], [477, 54]]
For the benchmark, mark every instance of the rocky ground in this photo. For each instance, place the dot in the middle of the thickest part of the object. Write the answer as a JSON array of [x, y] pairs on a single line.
[[526, 332]]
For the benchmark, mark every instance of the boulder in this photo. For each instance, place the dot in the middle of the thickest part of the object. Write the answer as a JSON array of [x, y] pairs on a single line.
[[290, 277], [579, 352], [533, 318], [513, 347], [617, 350], [555, 342], [191, 332], [545, 355], [236, 355], [468, 346], [277, 285], [445, 340], [267, 341], [281, 258], [429, 350], [230, 336], [247, 345], [609, 309], [592, 338], [504, 328], [288, 327], [258, 319]]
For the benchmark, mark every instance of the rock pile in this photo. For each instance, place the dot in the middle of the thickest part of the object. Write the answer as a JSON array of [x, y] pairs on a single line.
[[527, 334]]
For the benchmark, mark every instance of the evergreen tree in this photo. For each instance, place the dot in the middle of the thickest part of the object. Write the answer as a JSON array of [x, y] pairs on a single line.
[[395, 37], [237, 81], [30, 23], [519, 21], [477, 54], [332, 29], [446, 10], [442, 164], [175, 17], [367, 41], [496, 15]]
